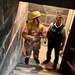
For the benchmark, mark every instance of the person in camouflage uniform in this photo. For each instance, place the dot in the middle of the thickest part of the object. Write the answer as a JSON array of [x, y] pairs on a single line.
[[32, 33]]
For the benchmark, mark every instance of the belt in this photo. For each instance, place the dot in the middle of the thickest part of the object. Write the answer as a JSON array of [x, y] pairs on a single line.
[[31, 42]]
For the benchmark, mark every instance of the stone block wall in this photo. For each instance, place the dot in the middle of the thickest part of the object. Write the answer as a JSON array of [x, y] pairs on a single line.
[[48, 12]]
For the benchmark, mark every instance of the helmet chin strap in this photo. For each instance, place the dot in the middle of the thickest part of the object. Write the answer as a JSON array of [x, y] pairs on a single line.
[[36, 22]]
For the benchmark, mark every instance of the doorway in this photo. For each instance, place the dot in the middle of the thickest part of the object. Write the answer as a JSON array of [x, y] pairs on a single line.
[[48, 15]]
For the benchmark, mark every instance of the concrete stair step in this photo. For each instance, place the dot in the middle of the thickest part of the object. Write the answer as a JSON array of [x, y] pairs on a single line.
[[35, 69], [22, 69], [28, 66], [17, 72]]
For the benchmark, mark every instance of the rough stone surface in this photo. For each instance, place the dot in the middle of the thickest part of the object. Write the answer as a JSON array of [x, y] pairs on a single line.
[[50, 19], [49, 12], [33, 7], [12, 21], [43, 18]]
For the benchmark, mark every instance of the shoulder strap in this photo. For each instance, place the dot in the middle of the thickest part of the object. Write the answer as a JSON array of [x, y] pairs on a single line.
[[53, 23], [62, 26]]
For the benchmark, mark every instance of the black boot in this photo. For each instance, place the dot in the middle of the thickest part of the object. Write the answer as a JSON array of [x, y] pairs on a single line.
[[46, 61], [26, 61], [37, 60], [54, 66]]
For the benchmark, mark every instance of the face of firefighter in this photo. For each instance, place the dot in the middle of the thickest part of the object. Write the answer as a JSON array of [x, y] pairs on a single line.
[[36, 20], [59, 21]]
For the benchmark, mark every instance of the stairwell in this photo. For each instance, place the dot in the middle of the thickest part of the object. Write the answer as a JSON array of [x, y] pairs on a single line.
[[13, 17], [22, 69], [33, 68]]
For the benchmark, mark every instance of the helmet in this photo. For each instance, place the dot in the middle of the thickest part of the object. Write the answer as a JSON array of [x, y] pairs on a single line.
[[35, 14]]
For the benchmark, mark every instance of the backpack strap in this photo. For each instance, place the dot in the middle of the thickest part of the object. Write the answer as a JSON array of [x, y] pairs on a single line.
[[62, 26]]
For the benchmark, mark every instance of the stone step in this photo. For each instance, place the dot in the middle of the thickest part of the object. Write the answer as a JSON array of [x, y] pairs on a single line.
[[30, 65], [17, 72], [35, 69]]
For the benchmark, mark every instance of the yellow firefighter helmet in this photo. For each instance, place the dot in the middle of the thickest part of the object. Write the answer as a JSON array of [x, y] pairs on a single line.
[[35, 14]]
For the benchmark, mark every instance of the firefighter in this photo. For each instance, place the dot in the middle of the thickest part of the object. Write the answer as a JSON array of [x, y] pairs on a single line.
[[56, 35], [32, 33]]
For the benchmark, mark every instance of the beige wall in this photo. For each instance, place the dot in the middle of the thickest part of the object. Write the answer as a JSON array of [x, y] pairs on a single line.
[[22, 17], [69, 20], [12, 47], [68, 24]]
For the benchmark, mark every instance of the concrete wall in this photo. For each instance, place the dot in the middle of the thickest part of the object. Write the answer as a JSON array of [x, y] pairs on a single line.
[[12, 22]]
